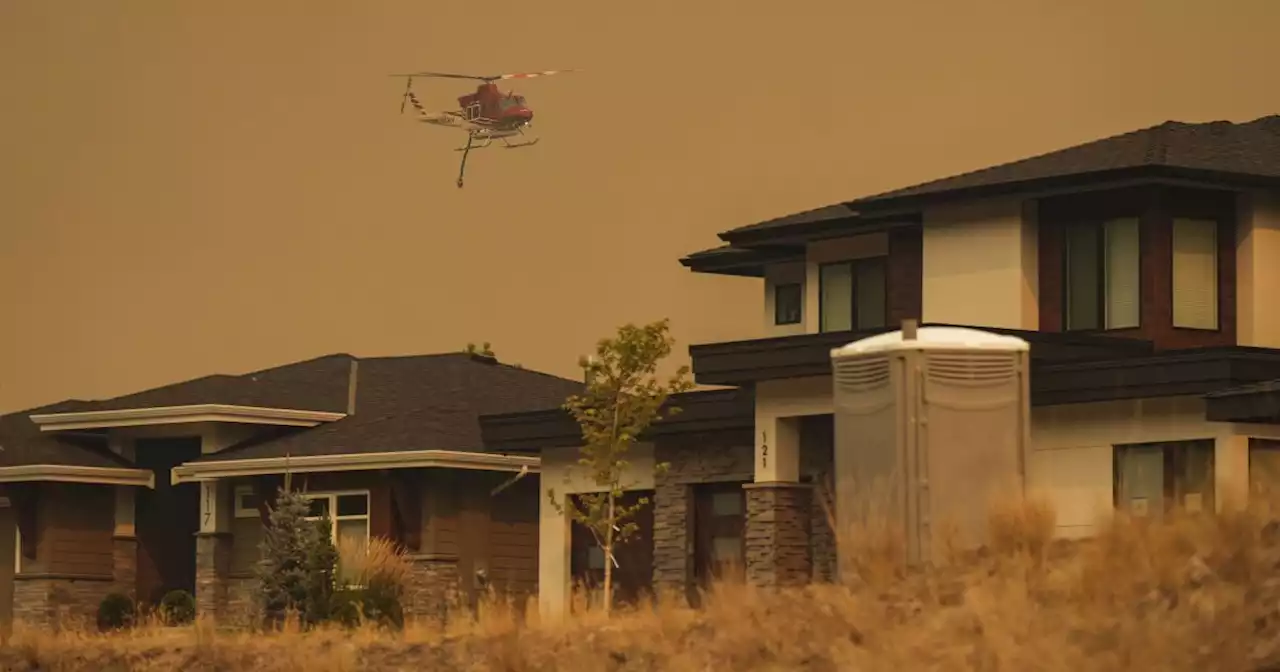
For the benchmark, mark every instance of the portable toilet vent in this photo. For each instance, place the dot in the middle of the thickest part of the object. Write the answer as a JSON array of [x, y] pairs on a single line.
[[930, 427]]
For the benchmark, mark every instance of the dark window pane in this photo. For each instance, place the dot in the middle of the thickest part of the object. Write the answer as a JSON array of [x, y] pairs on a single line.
[[318, 507], [1083, 277], [787, 300], [353, 505], [248, 501], [871, 299]]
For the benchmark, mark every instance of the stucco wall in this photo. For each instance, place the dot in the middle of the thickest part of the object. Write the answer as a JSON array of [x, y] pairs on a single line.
[[1258, 274], [561, 474], [983, 249]]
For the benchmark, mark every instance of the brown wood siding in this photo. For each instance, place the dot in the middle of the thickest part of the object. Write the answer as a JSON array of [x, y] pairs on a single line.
[[493, 536], [906, 279], [1156, 207], [77, 522], [246, 535], [8, 529]]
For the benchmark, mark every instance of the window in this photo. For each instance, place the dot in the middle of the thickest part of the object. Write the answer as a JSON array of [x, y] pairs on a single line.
[[1102, 275], [853, 295], [246, 502], [787, 302], [1153, 477], [1195, 274], [1264, 471], [347, 511]]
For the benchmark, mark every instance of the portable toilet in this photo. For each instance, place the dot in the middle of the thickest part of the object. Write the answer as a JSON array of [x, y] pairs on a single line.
[[931, 425]]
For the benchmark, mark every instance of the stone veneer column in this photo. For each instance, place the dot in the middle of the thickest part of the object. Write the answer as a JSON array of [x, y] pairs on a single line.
[[778, 516], [672, 560], [213, 569], [431, 591]]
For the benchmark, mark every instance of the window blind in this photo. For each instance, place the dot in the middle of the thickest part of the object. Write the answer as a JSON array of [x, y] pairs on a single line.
[[1082, 278], [1195, 273], [1122, 278], [837, 297]]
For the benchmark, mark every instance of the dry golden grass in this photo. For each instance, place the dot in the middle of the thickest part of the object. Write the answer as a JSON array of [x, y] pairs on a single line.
[[1189, 593]]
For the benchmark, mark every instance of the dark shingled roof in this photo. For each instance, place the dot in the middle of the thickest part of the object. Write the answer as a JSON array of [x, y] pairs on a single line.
[[1249, 149], [22, 443], [318, 384], [402, 403], [430, 402], [1247, 152]]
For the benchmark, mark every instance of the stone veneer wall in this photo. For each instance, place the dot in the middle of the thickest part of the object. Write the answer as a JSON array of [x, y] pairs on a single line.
[[696, 459], [213, 569], [432, 590], [778, 516], [53, 602]]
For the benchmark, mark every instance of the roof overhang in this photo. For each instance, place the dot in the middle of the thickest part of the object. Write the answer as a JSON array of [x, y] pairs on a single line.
[[65, 473], [1258, 403], [701, 411], [800, 356], [912, 199], [168, 415], [207, 470]]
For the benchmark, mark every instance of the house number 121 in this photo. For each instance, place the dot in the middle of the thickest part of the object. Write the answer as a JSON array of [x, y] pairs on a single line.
[[764, 450]]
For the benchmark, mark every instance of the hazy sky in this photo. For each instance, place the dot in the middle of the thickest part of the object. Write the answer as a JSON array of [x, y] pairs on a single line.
[[190, 188]]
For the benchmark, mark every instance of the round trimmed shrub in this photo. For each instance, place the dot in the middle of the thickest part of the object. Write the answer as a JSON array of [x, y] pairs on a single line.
[[178, 607], [115, 612]]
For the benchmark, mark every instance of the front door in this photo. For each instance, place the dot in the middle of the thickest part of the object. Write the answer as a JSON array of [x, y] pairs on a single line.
[[719, 546]]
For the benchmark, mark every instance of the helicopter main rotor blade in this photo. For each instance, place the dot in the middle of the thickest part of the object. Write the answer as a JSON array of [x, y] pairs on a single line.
[[483, 78]]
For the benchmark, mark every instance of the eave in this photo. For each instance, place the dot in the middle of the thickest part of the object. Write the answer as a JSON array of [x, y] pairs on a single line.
[[65, 473], [167, 415], [746, 362], [700, 411], [208, 470]]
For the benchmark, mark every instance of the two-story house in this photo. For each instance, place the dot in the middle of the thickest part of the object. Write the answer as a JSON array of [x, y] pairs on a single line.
[[1135, 267]]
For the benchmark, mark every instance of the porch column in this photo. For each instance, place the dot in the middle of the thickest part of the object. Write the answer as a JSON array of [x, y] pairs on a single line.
[[777, 525], [124, 543], [213, 549]]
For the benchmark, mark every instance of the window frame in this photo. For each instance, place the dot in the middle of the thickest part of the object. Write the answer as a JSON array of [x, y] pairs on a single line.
[[1217, 273], [1100, 227], [240, 511], [332, 496], [1173, 465], [883, 262], [778, 319]]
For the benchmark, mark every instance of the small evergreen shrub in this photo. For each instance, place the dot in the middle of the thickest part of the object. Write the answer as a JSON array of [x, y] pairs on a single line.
[[178, 607], [115, 612], [296, 573]]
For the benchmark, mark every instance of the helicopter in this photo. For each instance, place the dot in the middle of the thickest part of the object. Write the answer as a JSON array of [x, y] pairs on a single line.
[[485, 115]]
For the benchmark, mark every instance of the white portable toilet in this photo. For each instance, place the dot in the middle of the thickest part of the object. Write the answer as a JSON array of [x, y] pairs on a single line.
[[930, 426]]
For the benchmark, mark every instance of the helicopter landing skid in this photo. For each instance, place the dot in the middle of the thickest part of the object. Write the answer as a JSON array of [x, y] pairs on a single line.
[[485, 141]]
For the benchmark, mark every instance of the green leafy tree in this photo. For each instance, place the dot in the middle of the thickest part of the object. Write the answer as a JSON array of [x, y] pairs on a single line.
[[296, 572], [624, 395]]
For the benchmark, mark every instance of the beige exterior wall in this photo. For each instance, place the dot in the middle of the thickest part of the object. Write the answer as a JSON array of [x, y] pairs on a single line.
[[1257, 270], [986, 250], [777, 435], [816, 253], [561, 474]]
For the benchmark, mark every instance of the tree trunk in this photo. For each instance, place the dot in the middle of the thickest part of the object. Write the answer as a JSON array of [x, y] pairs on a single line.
[[608, 559]]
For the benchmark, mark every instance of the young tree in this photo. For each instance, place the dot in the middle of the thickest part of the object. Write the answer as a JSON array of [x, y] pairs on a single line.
[[298, 560], [624, 395]]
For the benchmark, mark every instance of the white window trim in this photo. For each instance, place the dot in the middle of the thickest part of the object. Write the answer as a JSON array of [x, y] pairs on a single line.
[[332, 496], [240, 511]]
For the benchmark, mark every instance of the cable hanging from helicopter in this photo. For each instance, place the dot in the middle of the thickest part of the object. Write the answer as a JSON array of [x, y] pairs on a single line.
[[485, 115]]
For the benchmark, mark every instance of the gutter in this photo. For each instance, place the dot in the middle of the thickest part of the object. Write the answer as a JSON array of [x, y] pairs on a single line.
[[73, 474], [209, 470]]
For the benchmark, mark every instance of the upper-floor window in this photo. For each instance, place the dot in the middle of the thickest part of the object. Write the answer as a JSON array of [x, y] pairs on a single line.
[[787, 301], [853, 295], [1195, 274], [1102, 275]]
